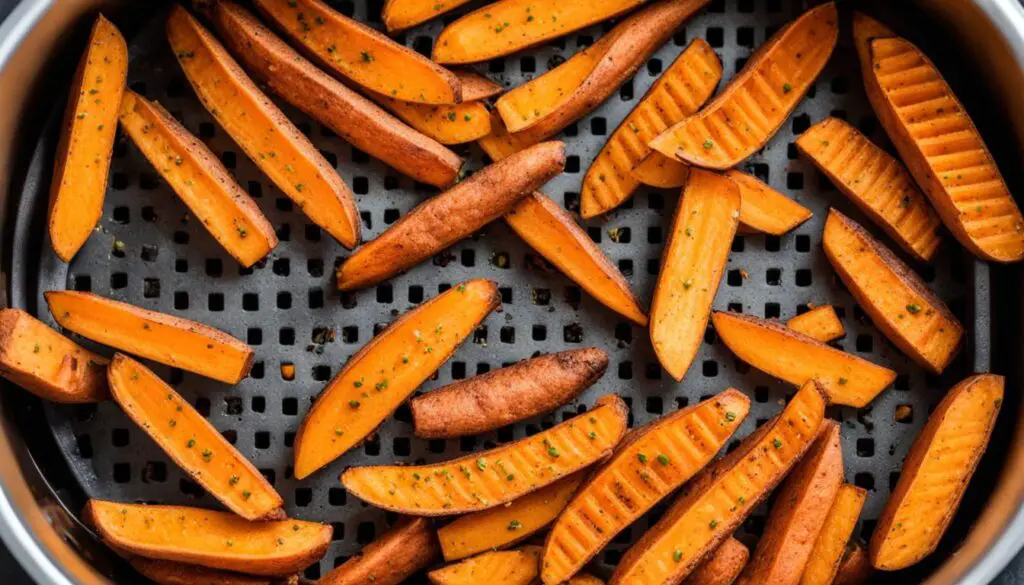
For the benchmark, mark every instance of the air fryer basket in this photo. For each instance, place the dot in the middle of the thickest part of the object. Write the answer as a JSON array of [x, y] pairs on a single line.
[[148, 252]]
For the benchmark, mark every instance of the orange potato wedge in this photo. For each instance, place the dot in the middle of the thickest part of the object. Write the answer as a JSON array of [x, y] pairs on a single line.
[[649, 465], [172, 573], [510, 567], [199, 178], [820, 323], [86, 144], [830, 546], [876, 182], [759, 100], [497, 476], [796, 358], [447, 124], [218, 540], [410, 546], [361, 54], [723, 566], [658, 170], [680, 91], [501, 143], [252, 120], [717, 501], [764, 209], [692, 265], [380, 376], [476, 87], [936, 472], [899, 303], [855, 568], [399, 15], [47, 364]]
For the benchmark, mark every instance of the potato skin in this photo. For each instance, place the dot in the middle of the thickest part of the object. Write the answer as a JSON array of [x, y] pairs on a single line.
[[409, 546], [722, 566]]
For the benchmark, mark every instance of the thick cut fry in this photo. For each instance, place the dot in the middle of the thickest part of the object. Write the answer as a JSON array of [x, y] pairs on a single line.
[[172, 573], [507, 525], [491, 478], [391, 559], [820, 323], [47, 364], [744, 117], [936, 472], [796, 358], [252, 120], [720, 498], [855, 568], [680, 91], [381, 375], [723, 566], [199, 179], [399, 15], [163, 338], [650, 464], [658, 170], [447, 124], [353, 117], [87, 136], [876, 182], [218, 540], [451, 216], [764, 209], [691, 268], [899, 303], [507, 395], [835, 534], [511, 567]]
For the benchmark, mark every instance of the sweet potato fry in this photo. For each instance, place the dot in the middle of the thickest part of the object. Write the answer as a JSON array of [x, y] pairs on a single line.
[[451, 216], [692, 265], [163, 338], [410, 546], [47, 364], [199, 178], [828, 549], [353, 117], [748, 113], [447, 124], [476, 87], [876, 182], [766, 210], [936, 473], [855, 568], [492, 478], [899, 303], [510, 567], [172, 573], [86, 144], [680, 91], [796, 358], [501, 143], [381, 375], [649, 465], [218, 540], [507, 395], [723, 566], [820, 323], [658, 170], [252, 120], [399, 15], [723, 495]]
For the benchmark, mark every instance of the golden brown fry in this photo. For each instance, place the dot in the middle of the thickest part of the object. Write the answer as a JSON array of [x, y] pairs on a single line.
[[410, 546], [855, 568]]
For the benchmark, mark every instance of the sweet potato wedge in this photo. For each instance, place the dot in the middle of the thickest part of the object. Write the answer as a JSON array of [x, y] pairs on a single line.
[[757, 102], [252, 120], [380, 376], [936, 472], [820, 323], [855, 568], [497, 476], [172, 573], [506, 395], [410, 546], [447, 124], [764, 209], [47, 364], [399, 15], [510, 567], [715, 502], [658, 170], [507, 525], [476, 87], [87, 136], [723, 566], [830, 546], [796, 358], [876, 182], [353, 117], [199, 179], [692, 265], [649, 465], [899, 303], [680, 91], [218, 540], [451, 216]]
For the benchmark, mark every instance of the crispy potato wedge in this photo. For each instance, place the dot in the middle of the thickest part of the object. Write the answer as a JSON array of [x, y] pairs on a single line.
[[855, 568], [163, 338], [497, 476], [692, 265], [199, 179], [936, 472], [899, 303], [830, 546], [680, 91], [218, 540], [447, 124], [353, 117], [820, 323], [252, 120], [764, 209], [451, 216], [87, 136], [723, 566], [796, 358], [510, 567], [47, 364], [410, 546], [506, 395], [649, 465], [757, 102], [380, 376], [399, 15], [876, 182], [173, 573], [658, 170], [717, 501]]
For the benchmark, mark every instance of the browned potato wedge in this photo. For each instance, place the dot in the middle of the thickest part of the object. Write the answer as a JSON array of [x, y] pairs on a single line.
[[855, 568], [410, 546], [723, 566], [820, 323]]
